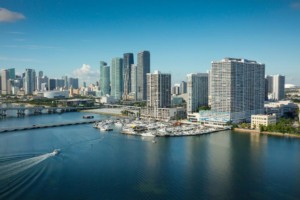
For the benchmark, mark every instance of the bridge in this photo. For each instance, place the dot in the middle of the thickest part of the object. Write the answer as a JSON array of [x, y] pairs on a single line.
[[41, 109], [22, 128]]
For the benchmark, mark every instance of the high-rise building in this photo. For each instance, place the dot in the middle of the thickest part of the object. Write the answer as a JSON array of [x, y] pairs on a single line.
[[4, 81], [127, 63], [12, 73], [39, 80], [60, 83], [51, 84], [278, 87], [116, 78], [29, 81], [74, 82], [237, 88], [176, 89], [270, 84], [143, 65], [104, 78], [134, 73], [66, 82], [183, 87], [41, 73], [158, 90], [266, 89], [197, 90], [275, 87]]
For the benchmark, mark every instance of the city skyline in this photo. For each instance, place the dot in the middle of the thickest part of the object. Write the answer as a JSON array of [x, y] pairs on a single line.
[[62, 38]]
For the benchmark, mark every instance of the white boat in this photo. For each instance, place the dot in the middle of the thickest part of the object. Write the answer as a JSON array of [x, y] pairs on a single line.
[[119, 124], [147, 134], [105, 128], [56, 152], [127, 130]]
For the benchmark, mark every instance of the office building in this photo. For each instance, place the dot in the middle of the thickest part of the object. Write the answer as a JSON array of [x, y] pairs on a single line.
[[143, 65], [74, 82], [197, 90], [116, 78], [266, 89], [104, 78], [12, 73], [51, 84], [127, 63], [237, 91], [278, 87], [275, 85], [176, 89], [59, 83], [42, 83], [133, 93], [183, 87], [4, 81], [158, 90], [66, 82], [269, 80], [29, 81]]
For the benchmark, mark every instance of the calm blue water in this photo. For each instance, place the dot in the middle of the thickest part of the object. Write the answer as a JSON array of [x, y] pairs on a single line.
[[96, 165]]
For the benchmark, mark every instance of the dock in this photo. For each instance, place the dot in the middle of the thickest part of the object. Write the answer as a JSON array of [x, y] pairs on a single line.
[[40, 126]]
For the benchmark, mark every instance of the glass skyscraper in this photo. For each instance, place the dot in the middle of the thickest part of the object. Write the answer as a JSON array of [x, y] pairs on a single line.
[[143, 65], [127, 62], [29, 81], [104, 78], [116, 78]]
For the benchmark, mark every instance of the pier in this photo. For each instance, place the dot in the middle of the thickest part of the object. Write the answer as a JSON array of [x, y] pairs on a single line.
[[22, 128]]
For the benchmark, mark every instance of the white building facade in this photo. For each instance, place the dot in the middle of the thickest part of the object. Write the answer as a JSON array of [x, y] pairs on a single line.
[[265, 120], [237, 90]]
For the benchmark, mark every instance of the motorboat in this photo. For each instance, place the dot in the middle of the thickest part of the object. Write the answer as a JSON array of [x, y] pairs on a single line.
[[105, 128], [56, 152], [147, 134], [88, 117]]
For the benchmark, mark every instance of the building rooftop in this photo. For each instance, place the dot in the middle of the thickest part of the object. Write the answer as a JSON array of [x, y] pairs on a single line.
[[241, 60]]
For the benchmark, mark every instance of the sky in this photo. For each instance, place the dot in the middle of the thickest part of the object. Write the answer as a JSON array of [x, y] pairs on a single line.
[[71, 37]]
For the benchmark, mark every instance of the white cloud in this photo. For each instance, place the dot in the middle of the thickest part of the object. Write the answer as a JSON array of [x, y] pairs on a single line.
[[10, 16], [86, 73]]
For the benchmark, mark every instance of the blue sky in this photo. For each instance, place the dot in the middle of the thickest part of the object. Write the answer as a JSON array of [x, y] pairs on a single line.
[[59, 36]]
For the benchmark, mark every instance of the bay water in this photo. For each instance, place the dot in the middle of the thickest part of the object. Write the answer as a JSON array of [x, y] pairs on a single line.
[[110, 165]]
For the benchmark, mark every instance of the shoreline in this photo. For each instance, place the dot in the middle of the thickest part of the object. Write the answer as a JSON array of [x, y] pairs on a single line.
[[291, 135]]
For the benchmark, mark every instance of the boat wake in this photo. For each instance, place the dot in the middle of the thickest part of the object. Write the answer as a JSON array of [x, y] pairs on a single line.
[[10, 170]]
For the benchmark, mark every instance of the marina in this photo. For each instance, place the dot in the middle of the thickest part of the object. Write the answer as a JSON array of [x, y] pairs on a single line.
[[156, 128]]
